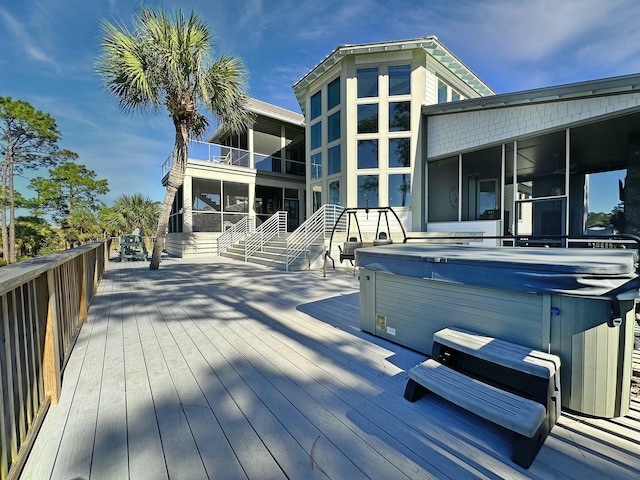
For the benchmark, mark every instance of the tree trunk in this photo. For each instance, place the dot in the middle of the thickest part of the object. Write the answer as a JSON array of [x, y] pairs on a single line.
[[5, 229], [174, 182], [12, 218]]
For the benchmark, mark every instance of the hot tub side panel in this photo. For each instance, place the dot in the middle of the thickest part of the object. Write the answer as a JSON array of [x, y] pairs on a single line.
[[409, 310], [596, 356]]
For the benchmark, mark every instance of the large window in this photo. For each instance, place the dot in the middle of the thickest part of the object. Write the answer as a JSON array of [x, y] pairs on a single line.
[[333, 160], [316, 105], [367, 82], [367, 154], [333, 127], [400, 190], [399, 116], [443, 190], [368, 118], [367, 190], [316, 135], [236, 197], [316, 165], [400, 80], [481, 173], [333, 94], [206, 195], [399, 153]]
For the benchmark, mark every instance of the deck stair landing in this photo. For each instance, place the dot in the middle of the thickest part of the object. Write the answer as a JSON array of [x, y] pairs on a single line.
[[274, 254]]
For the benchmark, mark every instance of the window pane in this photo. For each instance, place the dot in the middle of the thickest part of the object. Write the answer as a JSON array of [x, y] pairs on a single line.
[[316, 135], [399, 153], [316, 165], [400, 80], [368, 118], [206, 195], [442, 197], [367, 153], [333, 160], [367, 82], [316, 192], [236, 197], [333, 94], [442, 92], [455, 96], [316, 105], [333, 127], [400, 190], [334, 192], [368, 190], [480, 187], [399, 116]]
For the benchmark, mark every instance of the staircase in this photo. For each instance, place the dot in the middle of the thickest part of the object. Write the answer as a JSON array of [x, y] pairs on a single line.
[[274, 254]]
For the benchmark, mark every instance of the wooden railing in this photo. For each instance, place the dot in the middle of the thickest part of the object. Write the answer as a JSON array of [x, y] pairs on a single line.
[[44, 303]]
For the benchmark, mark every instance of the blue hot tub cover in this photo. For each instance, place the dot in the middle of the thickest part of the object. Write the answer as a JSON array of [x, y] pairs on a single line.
[[577, 271]]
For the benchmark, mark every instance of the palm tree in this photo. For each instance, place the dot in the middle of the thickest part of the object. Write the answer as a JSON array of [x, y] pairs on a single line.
[[167, 60], [130, 212]]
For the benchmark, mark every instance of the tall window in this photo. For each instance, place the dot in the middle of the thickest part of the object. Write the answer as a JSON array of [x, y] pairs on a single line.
[[400, 80], [442, 92], [368, 118], [367, 190], [333, 94], [367, 82], [368, 153], [333, 127], [333, 160], [316, 135], [334, 192], [316, 105], [316, 192], [399, 116], [316, 166]]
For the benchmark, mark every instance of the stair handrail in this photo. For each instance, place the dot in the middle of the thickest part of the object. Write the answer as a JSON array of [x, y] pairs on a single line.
[[317, 226], [272, 227], [235, 233]]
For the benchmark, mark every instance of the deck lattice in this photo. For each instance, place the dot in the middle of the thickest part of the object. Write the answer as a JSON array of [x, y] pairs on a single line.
[[224, 370]]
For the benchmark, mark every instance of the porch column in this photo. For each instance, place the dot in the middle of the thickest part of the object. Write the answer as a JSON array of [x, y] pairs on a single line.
[[632, 186]]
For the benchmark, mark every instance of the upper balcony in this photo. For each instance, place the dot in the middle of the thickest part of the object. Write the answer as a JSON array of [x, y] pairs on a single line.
[[237, 157]]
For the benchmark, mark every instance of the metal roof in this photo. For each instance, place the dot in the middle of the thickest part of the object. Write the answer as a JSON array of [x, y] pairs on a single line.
[[273, 111], [430, 44], [572, 91]]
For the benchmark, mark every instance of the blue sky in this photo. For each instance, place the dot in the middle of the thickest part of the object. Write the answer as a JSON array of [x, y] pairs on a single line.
[[48, 50]]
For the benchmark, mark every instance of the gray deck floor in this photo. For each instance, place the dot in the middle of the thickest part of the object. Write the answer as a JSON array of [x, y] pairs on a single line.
[[224, 370]]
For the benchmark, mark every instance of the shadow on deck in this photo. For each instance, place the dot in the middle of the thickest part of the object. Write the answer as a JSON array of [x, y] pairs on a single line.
[[220, 369]]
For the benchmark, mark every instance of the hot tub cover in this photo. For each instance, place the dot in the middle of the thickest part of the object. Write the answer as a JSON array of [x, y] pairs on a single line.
[[585, 272]]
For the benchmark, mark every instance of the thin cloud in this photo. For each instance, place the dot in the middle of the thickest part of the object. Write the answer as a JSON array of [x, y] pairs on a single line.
[[23, 39]]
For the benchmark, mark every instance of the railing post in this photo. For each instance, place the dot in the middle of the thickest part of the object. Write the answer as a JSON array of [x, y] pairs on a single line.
[[51, 356]]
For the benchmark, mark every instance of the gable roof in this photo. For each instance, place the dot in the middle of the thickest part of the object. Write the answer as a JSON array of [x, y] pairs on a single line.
[[430, 45]]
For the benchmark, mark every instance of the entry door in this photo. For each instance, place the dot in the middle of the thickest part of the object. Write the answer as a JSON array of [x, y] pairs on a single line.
[[292, 208]]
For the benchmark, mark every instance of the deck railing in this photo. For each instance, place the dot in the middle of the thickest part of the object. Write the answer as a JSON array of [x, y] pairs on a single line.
[[44, 303], [235, 232], [275, 226], [316, 227]]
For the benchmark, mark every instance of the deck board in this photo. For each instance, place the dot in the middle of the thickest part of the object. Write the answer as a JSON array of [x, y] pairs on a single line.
[[219, 369]]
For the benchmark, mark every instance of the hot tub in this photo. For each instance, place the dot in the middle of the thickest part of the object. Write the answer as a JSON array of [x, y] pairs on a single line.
[[575, 303]]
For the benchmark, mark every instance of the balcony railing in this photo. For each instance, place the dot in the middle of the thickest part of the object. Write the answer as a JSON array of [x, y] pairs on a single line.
[[44, 303], [221, 154]]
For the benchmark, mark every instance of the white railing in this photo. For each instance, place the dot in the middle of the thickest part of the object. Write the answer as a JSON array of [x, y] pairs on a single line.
[[273, 227], [235, 233], [318, 226]]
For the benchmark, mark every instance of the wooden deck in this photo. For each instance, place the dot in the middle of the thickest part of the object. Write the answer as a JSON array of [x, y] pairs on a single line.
[[224, 370]]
